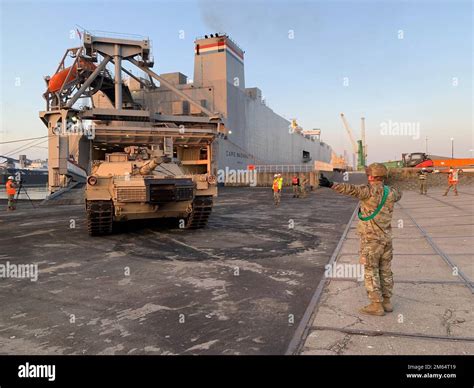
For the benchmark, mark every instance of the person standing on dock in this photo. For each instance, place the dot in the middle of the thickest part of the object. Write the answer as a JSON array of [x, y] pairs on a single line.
[[423, 180], [295, 182], [304, 182], [375, 216], [453, 180], [11, 192], [276, 187]]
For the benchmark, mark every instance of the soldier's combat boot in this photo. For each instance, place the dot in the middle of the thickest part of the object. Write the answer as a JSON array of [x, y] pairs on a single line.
[[375, 308], [387, 305]]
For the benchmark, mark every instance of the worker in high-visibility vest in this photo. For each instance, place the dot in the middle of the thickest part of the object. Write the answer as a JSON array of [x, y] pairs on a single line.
[[276, 187], [11, 192], [453, 180]]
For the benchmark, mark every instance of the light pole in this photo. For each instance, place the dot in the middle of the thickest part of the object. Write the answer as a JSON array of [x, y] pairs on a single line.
[[452, 148]]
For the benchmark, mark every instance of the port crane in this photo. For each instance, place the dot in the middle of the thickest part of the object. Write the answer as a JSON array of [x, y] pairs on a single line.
[[359, 147]]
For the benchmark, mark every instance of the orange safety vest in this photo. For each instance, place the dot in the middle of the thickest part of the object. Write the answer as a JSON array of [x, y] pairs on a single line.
[[10, 189], [276, 185], [453, 176]]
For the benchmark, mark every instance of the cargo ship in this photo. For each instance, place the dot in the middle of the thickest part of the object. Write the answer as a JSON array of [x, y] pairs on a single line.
[[254, 136], [257, 135]]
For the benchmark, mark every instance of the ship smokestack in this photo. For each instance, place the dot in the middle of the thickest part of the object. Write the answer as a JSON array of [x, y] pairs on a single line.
[[218, 58]]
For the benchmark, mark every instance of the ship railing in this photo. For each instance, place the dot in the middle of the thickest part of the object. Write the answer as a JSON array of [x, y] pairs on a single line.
[[116, 35], [281, 168]]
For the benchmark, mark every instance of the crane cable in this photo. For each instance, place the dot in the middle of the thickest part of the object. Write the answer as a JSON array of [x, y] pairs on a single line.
[[25, 147], [15, 150], [21, 140], [34, 145]]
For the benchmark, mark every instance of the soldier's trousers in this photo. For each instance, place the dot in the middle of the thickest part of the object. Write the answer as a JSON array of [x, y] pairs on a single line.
[[276, 197], [378, 274], [303, 190], [296, 191], [423, 187]]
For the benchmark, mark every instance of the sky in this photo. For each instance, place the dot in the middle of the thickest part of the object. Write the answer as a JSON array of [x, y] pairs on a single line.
[[406, 66]]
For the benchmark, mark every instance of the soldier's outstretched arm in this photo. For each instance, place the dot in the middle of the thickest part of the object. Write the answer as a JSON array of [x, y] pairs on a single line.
[[359, 191]]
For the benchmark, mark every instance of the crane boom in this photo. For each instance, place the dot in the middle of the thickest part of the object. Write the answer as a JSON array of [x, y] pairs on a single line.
[[362, 136], [349, 132], [359, 146]]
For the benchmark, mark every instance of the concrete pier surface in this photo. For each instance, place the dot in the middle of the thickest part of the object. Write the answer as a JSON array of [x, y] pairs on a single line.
[[433, 299], [252, 282], [239, 286]]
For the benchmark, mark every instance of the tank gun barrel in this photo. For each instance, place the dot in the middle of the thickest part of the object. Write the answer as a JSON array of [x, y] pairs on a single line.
[[149, 166]]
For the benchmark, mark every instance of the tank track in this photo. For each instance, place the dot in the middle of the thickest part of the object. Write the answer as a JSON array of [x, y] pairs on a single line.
[[202, 207], [99, 217]]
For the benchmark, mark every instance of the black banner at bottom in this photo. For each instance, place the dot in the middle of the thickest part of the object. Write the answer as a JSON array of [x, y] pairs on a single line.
[[138, 371]]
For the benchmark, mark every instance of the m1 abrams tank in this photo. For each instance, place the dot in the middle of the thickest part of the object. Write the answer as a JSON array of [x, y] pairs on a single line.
[[143, 183]]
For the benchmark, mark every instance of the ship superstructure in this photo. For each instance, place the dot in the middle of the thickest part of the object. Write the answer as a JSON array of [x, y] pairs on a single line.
[[257, 134]]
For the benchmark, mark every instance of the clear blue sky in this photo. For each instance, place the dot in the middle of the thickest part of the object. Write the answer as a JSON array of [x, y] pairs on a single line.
[[407, 80]]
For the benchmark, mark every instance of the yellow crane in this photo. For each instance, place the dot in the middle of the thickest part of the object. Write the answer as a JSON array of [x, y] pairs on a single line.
[[359, 147]]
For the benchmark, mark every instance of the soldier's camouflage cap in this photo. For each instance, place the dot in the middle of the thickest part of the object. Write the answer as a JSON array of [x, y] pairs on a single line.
[[377, 169]]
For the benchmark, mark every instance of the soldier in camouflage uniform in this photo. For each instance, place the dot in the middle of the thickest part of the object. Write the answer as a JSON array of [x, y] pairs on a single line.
[[304, 182], [375, 235], [422, 178]]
